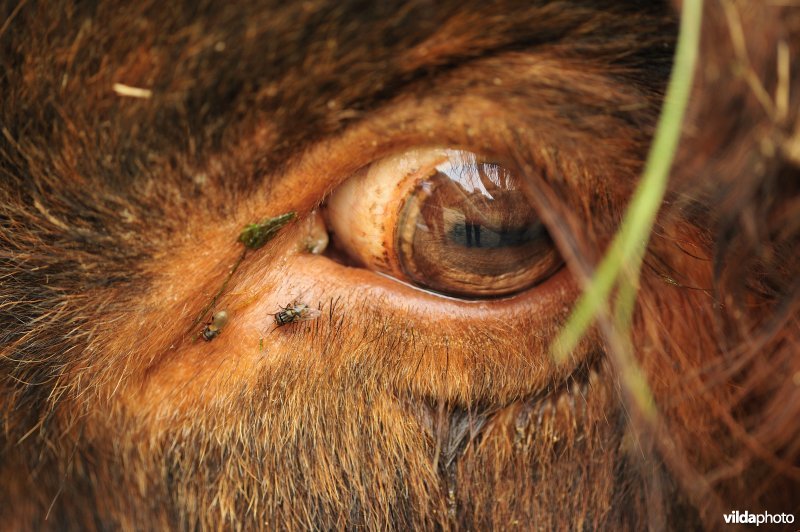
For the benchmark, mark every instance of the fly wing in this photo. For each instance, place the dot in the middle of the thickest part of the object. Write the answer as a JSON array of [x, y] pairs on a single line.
[[307, 314]]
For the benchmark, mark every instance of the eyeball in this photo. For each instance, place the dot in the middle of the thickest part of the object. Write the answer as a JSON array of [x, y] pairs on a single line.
[[446, 220]]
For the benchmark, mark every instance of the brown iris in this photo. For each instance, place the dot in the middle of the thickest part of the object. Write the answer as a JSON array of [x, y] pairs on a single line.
[[446, 220], [469, 230]]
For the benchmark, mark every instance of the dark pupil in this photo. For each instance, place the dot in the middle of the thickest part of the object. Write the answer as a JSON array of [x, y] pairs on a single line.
[[469, 230]]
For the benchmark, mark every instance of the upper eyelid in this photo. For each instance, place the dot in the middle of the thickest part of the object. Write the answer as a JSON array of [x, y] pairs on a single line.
[[470, 121]]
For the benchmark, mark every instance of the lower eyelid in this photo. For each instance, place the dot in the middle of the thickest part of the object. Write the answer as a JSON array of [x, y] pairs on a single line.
[[503, 337], [547, 302]]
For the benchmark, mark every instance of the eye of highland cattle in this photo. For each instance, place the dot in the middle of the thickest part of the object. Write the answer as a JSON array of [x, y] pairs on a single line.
[[447, 220]]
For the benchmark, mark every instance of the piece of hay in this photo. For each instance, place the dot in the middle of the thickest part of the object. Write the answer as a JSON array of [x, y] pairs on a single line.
[[253, 236]]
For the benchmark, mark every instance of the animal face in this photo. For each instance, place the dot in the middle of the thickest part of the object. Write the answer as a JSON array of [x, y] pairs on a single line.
[[456, 170]]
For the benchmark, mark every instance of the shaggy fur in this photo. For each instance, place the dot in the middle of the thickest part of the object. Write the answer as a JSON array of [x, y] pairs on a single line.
[[119, 224]]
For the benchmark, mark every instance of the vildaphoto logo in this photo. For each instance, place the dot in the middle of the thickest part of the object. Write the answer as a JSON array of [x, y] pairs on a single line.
[[747, 518]]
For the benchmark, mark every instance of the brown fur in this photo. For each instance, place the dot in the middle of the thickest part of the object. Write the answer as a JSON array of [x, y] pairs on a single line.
[[119, 223]]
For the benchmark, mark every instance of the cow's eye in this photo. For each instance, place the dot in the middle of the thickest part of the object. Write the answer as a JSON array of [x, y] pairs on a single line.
[[447, 220]]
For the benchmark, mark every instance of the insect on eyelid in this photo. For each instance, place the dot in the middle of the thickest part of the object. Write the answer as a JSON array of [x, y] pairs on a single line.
[[294, 312]]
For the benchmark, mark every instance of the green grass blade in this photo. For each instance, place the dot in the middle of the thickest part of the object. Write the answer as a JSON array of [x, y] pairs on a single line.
[[627, 249]]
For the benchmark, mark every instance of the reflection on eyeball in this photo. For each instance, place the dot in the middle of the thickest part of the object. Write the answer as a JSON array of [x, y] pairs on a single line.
[[447, 220]]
